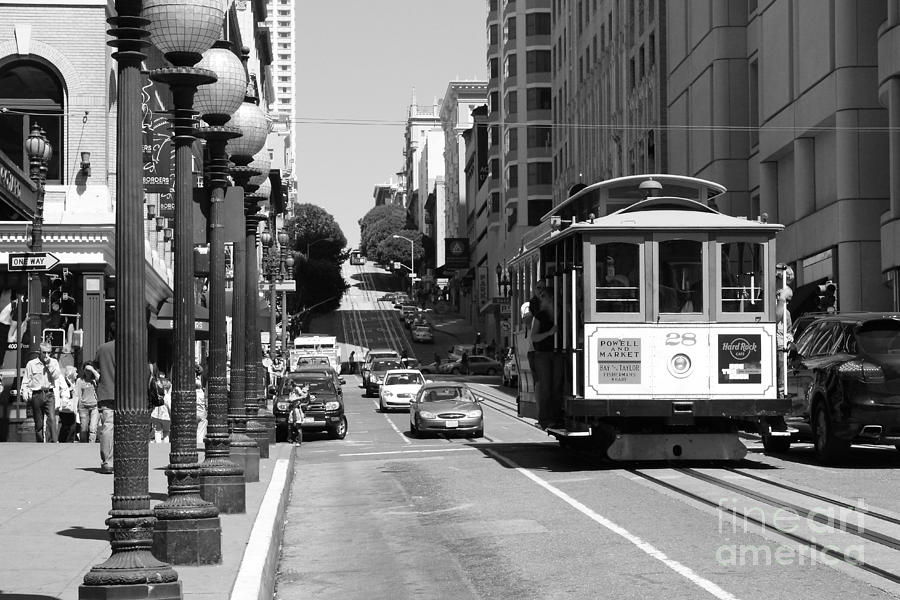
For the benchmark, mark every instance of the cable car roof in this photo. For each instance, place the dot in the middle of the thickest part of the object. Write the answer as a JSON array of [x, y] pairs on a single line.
[[632, 188], [675, 213]]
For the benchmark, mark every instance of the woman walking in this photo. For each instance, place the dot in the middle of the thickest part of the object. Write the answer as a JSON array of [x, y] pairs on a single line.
[[85, 393]]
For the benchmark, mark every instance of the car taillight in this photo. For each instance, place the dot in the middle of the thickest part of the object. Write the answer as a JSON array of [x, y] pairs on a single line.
[[862, 370]]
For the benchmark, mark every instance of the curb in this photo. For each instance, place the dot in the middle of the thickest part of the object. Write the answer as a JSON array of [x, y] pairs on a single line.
[[259, 566]]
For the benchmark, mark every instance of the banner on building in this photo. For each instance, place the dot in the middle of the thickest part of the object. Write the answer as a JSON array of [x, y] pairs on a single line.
[[456, 253], [483, 290]]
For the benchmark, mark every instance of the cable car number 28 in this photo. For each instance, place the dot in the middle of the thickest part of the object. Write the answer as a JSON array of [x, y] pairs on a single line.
[[681, 339]]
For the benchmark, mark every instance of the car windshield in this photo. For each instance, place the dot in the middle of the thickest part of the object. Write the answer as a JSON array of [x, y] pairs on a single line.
[[879, 337], [384, 365], [316, 386], [405, 379], [448, 393]]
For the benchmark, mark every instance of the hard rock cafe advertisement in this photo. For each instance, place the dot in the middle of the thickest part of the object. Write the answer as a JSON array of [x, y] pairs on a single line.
[[739, 358]]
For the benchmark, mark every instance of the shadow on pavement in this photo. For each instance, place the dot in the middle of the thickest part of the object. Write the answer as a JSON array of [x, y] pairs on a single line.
[[27, 597], [858, 457], [92, 470], [83, 533]]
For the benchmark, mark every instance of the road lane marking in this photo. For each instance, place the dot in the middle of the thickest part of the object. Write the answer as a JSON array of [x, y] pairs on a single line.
[[391, 423], [387, 452], [646, 547]]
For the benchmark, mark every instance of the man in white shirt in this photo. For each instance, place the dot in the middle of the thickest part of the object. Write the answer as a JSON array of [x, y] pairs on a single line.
[[43, 381]]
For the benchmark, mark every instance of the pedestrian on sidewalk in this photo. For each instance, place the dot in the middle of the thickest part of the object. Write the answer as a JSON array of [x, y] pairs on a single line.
[[295, 418], [201, 413], [66, 407], [105, 360], [352, 362], [42, 378], [85, 395], [161, 411]]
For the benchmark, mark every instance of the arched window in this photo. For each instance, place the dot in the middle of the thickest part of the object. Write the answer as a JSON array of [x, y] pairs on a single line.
[[31, 91]]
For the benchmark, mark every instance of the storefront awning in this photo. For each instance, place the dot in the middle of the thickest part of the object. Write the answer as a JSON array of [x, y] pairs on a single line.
[[164, 319]]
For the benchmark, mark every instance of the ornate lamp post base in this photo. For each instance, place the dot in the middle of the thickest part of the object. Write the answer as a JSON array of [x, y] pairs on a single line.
[[226, 491], [245, 454], [141, 591], [190, 541]]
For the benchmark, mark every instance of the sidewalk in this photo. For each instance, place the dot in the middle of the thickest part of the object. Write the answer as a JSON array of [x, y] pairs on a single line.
[[55, 501]]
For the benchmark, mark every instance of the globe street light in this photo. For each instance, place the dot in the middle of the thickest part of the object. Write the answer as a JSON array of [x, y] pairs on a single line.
[[131, 569], [187, 530], [412, 263]]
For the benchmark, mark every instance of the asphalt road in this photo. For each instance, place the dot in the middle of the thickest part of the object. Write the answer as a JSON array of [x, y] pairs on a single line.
[[384, 515]]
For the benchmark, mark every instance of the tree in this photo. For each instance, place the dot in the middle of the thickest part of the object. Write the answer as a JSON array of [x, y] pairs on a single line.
[[315, 232], [394, 249], [378, 224]]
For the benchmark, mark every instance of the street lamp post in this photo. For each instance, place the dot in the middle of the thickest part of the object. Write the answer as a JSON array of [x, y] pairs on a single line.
[[252, 123], [187, 530], [287, 269], [131, 571], [267, 241], [222, 480], [39, 153], [412, 264], [499, 271]]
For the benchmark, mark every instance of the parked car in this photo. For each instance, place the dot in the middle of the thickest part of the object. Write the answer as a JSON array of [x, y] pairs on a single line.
[[374, 354], [510, 370], [377, 371], [428, 369], [323, 410], [446, 408], [844, 377], [398, 388], [478, 365], [422, 333], [325, 370], [410, 362], [457, 350]]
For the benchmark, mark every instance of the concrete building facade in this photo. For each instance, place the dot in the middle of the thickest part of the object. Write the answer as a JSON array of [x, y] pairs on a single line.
[[779, 101]]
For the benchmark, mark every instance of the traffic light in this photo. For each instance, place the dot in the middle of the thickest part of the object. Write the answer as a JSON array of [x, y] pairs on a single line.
[[828, 297]]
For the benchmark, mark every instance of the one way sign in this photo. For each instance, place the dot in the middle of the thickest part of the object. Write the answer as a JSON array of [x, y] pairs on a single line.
[[32, 261]]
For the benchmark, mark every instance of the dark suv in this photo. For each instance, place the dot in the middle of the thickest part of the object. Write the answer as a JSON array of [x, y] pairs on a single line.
[[323, 411], [844, 380]]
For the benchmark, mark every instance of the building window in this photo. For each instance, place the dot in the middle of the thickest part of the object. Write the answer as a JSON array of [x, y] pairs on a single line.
[[494, 68], [492, 34], [537, 61], [512, 177], [537, 24], [510, 140], [651, 49], [495, 168], [509, 30], [494, 101], [643, 64], [512, 103], [34, 90], [540, 173], [540, 137], [539, 98], [509, 66], [495, 135], [536, 210]]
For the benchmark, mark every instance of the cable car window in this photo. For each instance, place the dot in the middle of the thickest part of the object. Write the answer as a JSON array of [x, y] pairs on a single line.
[[743, 282], [618, 278], [680, 273]]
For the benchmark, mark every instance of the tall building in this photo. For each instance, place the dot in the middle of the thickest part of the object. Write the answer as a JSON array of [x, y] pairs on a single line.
[[781, 102], [420, 120], [282, 107], [609, 91], [520, 93]]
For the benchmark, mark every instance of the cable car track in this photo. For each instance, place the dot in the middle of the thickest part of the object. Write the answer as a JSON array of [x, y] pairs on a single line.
[[784, 512]]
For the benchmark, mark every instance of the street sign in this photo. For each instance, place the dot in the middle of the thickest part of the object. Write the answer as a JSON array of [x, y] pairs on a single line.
[[32, 261], [286, 286], [505, 327]]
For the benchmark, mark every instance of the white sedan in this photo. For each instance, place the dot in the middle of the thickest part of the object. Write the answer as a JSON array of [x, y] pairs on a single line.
[[399, 387]]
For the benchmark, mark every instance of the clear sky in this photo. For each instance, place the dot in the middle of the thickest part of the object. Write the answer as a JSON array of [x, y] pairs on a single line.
[[360, 60]]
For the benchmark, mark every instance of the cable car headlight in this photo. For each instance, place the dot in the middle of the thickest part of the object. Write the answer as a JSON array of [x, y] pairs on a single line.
[[680, 365]]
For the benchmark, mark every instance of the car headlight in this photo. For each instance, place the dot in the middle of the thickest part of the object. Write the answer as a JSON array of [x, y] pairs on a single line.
[[332, 405], [473, 414], [387, 392], [426, 415], [281, 405]]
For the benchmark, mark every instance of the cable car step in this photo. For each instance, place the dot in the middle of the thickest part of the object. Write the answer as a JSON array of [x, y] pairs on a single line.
[[563, 432]]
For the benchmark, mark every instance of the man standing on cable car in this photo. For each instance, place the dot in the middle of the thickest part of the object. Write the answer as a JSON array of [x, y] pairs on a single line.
[[542, 331]]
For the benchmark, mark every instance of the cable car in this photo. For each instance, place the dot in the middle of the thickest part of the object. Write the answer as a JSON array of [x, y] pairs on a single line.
[[664, 310], [356, 258]]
